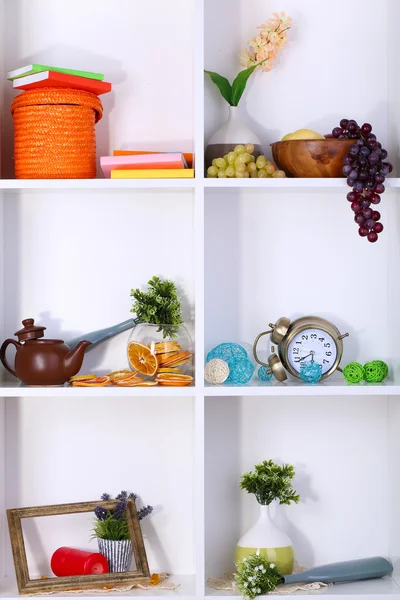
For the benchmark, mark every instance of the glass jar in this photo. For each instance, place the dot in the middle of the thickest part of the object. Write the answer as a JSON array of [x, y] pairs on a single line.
[[155, 350]]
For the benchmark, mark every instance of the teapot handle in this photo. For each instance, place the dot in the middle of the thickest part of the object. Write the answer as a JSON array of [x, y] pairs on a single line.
[[3, 354]]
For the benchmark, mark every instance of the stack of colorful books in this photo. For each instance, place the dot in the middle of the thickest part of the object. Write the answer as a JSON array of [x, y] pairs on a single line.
[[139, 164], [33, 77]]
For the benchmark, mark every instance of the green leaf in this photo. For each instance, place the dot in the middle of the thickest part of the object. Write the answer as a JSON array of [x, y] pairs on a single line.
[[223, 85], [239, 83]]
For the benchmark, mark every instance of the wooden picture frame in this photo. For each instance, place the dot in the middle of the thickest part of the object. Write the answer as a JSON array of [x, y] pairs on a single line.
[[32, 586]]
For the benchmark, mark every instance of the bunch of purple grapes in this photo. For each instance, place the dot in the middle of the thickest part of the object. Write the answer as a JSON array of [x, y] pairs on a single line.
[[365, 170]]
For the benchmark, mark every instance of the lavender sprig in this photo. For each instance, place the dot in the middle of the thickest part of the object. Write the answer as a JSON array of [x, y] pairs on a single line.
[[145, 512], [120, 509], [101, 513], [122, 495]]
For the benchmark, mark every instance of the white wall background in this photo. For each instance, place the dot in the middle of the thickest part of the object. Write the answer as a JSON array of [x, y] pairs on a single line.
[[61, 451], [339, 447], [145, 51]]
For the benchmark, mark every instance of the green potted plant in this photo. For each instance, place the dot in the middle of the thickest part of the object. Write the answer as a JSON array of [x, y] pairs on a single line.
[[160, 346], [112, 533], [269, 482]]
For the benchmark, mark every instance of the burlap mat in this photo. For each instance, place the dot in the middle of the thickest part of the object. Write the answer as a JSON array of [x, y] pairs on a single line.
[[163, 585], [226, 582]]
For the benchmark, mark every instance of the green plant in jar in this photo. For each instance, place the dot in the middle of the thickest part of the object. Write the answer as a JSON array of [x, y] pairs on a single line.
[[159, 305]]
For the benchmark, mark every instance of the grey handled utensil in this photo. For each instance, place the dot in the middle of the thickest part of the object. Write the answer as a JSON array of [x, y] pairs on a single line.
[[97, 337], [349, 570]]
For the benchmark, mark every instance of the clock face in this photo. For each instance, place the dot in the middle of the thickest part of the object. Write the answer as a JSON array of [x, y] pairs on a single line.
[[313, 345]]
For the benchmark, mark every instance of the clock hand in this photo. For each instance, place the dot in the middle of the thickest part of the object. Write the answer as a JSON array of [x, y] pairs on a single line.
[[304, 357]]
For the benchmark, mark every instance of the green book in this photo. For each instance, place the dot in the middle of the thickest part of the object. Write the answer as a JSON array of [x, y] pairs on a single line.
[[31, 69]]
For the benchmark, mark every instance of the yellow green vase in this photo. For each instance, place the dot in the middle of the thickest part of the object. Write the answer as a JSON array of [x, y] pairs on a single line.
[[266, 539]]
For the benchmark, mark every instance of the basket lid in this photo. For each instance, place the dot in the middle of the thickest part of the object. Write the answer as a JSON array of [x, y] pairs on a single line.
[[52, 95]]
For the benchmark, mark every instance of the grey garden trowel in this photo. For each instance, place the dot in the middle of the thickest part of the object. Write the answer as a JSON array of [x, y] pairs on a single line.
[[349, 570]]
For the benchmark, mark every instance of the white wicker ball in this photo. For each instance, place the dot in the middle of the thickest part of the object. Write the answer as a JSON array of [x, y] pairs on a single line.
[[216, 371]]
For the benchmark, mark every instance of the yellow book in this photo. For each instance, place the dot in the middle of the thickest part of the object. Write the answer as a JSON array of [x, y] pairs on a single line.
[[152, 174]]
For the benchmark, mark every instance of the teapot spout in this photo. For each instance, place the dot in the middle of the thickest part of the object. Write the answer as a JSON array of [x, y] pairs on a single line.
[[74, 358]]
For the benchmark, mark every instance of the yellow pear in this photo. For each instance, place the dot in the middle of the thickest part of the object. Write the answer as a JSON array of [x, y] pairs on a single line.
[[305, 134]]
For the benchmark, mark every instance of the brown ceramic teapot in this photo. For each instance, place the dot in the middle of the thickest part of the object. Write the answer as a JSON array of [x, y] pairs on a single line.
[[42, 362]]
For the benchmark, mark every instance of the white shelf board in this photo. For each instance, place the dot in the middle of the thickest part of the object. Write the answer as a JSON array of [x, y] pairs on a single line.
[[255, 388], [17, 390], [290, 183], [94, 184], [298, 184], [186, 589], [376, 587], [331, 387]]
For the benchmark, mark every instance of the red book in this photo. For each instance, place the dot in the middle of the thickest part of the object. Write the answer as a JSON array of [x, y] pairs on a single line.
[[54, 79]]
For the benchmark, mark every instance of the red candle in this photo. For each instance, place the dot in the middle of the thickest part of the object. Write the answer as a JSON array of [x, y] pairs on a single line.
[[69, 561]]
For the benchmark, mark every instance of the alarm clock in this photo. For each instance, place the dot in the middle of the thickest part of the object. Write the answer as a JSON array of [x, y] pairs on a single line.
[[306, 339]]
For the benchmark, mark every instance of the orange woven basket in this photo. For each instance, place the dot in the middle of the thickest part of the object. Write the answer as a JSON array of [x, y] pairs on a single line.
[[54, 133]]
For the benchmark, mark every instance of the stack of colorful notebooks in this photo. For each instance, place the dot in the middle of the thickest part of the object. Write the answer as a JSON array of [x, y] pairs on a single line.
[[138, 164], [33, 77]]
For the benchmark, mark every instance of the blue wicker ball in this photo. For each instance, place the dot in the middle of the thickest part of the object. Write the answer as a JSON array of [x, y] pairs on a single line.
[[241, 370], [310, 372], [264, 373], [226, 351]]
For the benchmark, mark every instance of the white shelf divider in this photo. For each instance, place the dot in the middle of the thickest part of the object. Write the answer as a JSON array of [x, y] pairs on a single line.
[[199, 241]]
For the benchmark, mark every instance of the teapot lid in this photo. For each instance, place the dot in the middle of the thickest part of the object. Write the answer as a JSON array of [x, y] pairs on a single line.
[[30, 331]]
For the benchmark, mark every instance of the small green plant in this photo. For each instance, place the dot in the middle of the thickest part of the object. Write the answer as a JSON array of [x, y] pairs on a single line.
[[269, 482], [159, 305], [255, 576]]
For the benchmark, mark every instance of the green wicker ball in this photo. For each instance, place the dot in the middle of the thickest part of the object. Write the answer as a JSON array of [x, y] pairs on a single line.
[[375, 371], [353, 372], [384, 366]]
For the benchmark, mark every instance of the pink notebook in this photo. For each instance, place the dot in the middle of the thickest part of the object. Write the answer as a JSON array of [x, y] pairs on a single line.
[[172, 160]]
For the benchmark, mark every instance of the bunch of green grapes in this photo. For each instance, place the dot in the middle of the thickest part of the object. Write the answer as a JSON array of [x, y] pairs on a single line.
[[242, 163]]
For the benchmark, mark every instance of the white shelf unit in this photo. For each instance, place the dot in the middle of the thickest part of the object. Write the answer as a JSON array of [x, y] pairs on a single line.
[[71, 251]]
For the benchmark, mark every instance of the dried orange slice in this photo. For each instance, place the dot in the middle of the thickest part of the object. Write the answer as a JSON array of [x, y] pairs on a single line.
[[165, 347], [141, 359], [169, 370], [98, 382], [123, 374], [126, 378], [175, 359], [82, 377], [166, 356], [133, 382], [175, 383], [174, 379]]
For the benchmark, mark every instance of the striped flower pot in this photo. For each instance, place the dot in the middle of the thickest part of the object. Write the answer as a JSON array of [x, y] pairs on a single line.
[[118, 554]]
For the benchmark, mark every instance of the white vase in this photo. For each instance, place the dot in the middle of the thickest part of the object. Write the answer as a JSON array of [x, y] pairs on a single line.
[[266, 539], [229, 135]]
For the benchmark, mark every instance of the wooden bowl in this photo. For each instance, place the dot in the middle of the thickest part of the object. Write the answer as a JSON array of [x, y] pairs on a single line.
[[311, 158]]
